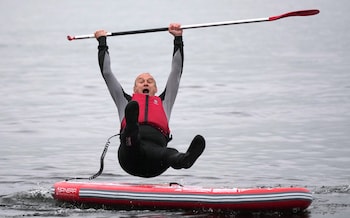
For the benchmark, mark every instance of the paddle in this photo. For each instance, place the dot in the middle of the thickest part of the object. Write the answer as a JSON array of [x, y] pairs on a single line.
[[192, 26]]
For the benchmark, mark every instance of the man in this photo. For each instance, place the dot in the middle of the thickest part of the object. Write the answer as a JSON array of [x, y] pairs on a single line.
[[144, 117]]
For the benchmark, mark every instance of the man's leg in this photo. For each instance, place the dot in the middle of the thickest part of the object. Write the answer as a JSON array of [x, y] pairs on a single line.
[[128, 152], [130, 135], [179, 160]]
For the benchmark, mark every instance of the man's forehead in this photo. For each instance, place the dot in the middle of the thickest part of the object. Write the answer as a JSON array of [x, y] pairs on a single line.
[[144, 76]]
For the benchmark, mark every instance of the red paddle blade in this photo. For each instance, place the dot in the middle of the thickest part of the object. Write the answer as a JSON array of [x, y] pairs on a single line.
[[295, 13], [70, 38]]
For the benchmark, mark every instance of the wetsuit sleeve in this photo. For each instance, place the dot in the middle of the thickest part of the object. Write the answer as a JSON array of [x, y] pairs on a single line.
[[120, 98], [172, 86]]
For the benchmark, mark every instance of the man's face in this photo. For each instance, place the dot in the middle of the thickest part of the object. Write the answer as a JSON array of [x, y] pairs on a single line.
[[145, 84]]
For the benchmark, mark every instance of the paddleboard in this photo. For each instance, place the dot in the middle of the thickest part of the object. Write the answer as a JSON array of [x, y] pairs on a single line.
[[176, 196]]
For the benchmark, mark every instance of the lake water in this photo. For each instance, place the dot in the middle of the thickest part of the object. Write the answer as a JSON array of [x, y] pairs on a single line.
[[272, 99]]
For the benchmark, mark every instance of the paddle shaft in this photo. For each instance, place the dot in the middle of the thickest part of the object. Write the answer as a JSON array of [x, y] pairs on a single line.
[[193, 26]]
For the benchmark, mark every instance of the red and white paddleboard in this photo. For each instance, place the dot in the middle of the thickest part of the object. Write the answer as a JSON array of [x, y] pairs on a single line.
[[175, 196]]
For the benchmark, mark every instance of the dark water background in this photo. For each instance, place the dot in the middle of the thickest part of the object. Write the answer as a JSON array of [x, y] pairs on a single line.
[[272, 99]]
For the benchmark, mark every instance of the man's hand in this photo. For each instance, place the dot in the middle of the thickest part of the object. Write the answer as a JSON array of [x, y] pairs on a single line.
[[175, 29], [100, 33]]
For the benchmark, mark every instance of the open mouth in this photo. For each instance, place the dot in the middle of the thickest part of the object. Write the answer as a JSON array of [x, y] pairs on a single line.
[[145, 91]]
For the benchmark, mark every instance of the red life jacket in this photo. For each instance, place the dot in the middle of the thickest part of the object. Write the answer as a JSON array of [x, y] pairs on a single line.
[[151, 113]]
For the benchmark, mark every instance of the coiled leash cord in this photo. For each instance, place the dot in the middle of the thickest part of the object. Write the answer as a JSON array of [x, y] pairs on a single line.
[[101, 161]]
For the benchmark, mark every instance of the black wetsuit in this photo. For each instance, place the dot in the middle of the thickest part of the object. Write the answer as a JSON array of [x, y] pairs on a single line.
[[149, 155]]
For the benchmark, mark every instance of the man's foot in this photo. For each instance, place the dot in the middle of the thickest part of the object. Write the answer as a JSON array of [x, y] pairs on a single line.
[[194, 151], [131, 117], [130, 133]]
